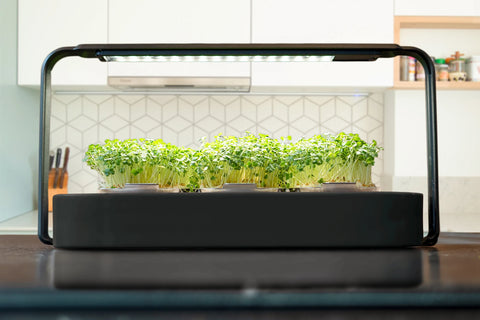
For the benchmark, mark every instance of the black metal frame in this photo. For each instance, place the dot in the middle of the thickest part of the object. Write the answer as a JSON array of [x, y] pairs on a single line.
[[341, 52]]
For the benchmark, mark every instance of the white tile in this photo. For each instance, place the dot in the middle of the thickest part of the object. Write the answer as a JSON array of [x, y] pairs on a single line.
[[319, 100], [295, 110], [217, 110], [368, 124], [104, 133], [81, 123], [145, 123], [106, 109], [177, 124], [185, 110], [351, 100], [154, 109], [89, 136], [137, 110], [169, 110], [163, 99], [122, 109], [377, 97], [155, 133], [272, 124], [225, 100], [327, 111], [281, 132], [97, 98], [375, 110], [264, 110], [209, 124], [359, 110], [201, 110], [169, 135], [362, 133], [55, 123], [303, 124], [241, 124], [249, 110], [185, 137], [130, 99], [280, 111], [198, 134], [75, 163], [193, 99], [74, 109], [136, 133], [256, 100], [377, 135], [343, 110], [114, 123], [59, 110], [287, 100], [90, 109], [232, 111], [311, 110], [123, 133], [67, 98], [336, 125], [74, 137]]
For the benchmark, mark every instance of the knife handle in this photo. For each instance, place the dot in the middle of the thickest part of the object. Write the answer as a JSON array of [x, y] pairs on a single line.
[[64, 169], [57, 167]]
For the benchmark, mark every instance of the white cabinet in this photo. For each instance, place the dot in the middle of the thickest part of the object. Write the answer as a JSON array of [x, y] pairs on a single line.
[[437, 8], [180, 21], [46, 25], [311, 21]]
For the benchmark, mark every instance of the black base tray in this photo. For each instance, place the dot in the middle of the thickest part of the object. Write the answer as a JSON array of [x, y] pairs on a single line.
[[237, 220]]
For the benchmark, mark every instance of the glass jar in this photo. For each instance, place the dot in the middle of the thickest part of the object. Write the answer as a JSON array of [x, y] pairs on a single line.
[[441, 69], [457, 70]]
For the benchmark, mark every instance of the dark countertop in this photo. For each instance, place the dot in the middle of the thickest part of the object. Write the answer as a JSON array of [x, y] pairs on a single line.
[[34, 276]]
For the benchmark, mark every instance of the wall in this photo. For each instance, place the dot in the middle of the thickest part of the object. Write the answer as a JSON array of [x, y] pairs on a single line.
[[458, 151], [80, 120], [18, 125]]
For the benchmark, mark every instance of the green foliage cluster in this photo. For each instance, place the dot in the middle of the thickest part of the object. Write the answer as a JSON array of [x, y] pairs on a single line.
[[259, 159]]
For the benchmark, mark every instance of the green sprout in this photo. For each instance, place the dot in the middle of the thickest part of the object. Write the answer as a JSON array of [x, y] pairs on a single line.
[[258, 159]]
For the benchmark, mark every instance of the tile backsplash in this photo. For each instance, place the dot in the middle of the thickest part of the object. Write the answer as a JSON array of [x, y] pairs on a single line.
[[80, 120]]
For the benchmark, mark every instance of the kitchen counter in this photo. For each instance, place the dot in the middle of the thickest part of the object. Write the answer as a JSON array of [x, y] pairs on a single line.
[[36, 277]]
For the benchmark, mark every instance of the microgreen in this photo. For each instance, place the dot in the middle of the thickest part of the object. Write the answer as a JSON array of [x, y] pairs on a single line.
[[259, 159]]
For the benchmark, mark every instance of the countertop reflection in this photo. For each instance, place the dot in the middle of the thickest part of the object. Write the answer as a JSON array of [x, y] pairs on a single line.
[[34, 275]]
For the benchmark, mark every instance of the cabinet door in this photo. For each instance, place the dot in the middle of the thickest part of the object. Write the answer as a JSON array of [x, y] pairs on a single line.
[[46, 25], [311, 21], [180, 21]]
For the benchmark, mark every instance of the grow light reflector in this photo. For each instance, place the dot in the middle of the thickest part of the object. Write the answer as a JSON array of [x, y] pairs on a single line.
[[218, 58]]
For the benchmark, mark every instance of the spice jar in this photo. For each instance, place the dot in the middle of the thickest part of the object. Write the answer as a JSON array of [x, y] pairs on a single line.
[[456, 68], [419, 72], [473, 68], [442, 70]]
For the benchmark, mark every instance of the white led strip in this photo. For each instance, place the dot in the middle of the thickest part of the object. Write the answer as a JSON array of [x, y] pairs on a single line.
[[218, 58]]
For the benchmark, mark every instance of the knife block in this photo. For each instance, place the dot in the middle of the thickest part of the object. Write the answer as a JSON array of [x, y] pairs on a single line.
[[54, 191]]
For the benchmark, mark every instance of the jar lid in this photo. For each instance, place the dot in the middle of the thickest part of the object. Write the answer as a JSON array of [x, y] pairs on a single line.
[[440, 61]]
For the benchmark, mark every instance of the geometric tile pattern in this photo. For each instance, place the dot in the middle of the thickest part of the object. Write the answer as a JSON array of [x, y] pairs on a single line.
[[80, 120]]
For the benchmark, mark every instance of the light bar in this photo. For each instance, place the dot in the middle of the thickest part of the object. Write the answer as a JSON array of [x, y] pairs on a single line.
[[219, 58]]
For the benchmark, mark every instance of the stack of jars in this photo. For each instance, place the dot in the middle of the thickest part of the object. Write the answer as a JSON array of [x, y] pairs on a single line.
[[453, 68]]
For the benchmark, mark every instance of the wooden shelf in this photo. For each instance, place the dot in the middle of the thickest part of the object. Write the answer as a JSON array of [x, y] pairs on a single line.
[[432, 22], [441, 85]]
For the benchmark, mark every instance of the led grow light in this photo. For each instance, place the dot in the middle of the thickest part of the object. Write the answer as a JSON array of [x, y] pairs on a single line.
[[219, 58]]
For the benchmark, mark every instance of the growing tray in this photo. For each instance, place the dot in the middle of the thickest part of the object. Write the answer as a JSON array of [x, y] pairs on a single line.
[[237, 220]]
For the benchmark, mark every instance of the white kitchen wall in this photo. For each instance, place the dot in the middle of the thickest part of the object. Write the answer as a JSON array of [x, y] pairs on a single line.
[[80, 120], [19, 112]]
